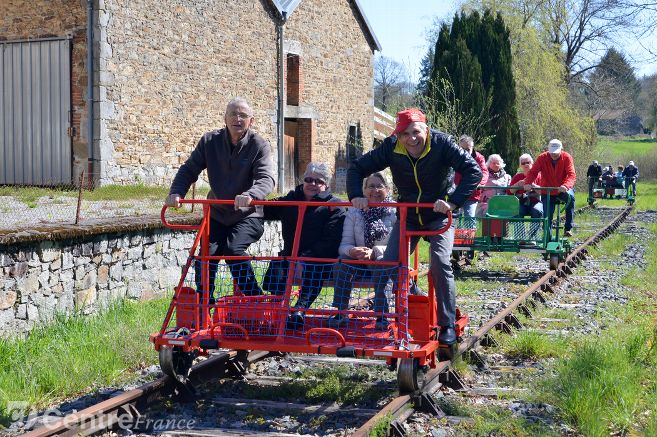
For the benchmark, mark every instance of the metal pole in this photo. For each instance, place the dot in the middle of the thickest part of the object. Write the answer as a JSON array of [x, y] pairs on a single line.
[[90, 92], [281, 107], [77, 211]]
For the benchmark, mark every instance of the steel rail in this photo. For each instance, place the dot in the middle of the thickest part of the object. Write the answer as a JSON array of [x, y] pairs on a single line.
[[397, 409], [125, 407]]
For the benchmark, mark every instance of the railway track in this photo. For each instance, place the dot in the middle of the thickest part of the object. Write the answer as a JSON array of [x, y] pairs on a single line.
[[130, 410]]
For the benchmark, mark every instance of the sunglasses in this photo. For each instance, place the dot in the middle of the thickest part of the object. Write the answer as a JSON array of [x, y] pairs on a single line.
[[310, 180], [526, 163]]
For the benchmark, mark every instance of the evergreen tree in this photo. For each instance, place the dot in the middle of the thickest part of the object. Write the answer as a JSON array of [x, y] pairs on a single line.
[[475, 56]]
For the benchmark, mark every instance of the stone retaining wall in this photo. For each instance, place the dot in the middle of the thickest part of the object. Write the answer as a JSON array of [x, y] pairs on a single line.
[[83, 269]]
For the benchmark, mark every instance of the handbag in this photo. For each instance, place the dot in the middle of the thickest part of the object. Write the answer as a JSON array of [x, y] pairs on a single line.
[[276, 277]]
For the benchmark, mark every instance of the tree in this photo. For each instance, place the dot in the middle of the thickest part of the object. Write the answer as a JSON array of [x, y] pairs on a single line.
[[391, 84], [581, 29], [475, 57], [647, 102], [612, 86]]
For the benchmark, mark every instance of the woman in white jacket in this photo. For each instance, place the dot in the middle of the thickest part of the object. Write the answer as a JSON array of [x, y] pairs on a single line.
[[364, 237]]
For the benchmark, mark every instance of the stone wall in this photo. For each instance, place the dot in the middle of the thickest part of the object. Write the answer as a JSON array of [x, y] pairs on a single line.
[[166, 74], [83, 269], [165, 71], [337, 68]]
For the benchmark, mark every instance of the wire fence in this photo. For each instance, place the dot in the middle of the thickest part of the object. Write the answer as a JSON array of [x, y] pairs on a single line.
[[30, 207]]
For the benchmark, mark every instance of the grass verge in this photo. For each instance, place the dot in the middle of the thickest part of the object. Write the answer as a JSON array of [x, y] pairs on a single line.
[[607, 384], [75, 355]]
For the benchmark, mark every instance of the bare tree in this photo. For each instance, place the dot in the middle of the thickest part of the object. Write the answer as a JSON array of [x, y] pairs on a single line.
[[389, 80], [583, 29]]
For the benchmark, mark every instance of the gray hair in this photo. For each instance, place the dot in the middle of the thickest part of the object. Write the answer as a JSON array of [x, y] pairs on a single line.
[[237, 101], [320, 169], [377, 175], [524, 156], [466, 139], [495, 157]]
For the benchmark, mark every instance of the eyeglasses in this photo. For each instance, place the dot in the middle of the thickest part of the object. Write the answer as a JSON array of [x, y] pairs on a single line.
[[526, 163], [242, 115], [376, 187], [310, 180]]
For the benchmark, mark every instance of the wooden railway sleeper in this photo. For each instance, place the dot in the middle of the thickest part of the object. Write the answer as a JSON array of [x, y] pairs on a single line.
[[538, 296], [489, 341], [425, 402], [512, 320], [504, 327], [453, 380], [474, 357], [525, 311]]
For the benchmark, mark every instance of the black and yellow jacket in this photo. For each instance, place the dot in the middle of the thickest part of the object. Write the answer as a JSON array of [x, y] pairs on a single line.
[[425, 179]]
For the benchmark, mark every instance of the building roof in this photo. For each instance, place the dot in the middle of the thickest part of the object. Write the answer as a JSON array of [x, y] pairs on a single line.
[[288, 6]]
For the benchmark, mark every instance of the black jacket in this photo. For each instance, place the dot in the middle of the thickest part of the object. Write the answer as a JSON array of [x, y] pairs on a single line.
[[424, 180], [246, 168], [594, 171], [322, 226], [631, 171]]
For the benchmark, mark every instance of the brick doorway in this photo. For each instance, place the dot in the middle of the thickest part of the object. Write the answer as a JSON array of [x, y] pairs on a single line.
[[298, 141]]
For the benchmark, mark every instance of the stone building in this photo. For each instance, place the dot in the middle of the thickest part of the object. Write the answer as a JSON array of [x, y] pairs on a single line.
[[162, 73]]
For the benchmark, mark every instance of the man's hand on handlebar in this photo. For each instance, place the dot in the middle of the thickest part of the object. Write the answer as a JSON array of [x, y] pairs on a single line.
[[443, 206], [242, 201], [173, 200]]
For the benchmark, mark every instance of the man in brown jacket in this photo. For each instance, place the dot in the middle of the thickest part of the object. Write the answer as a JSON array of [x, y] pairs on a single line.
[[240, 167]]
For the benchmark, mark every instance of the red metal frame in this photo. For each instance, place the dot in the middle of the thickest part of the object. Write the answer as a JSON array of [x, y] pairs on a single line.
[[414, 328]]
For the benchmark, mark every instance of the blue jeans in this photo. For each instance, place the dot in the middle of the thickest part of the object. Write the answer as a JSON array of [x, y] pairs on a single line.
[[534, 211], [440, 268], [568, 196], [346, 274], [469, 208]]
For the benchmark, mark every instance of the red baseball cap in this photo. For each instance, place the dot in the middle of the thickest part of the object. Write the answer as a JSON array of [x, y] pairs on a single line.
[[406, 117]]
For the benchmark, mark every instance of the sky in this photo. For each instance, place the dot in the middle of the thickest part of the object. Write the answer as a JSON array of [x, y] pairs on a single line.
[[401, 27]]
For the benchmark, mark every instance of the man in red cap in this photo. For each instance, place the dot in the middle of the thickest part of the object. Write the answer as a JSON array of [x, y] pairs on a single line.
[[422, 162]]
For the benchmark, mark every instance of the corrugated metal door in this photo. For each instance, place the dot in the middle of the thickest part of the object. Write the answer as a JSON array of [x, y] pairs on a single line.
[[35, 81]]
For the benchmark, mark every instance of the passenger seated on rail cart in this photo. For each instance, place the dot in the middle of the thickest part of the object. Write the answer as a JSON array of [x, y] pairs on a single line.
[[631, 175], [469, 208], [239, 167], [608, 177], [320, 237], [497, 177], [620, 179], [593, 174], [364, 236], [557, 169], [421, 161], [530, 201]]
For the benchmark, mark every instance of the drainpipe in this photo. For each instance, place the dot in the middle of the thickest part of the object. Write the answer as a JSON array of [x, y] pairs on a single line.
[[90, 92], [281, 94]]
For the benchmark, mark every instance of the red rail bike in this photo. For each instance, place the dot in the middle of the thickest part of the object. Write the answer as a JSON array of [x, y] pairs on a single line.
[[204, 316]]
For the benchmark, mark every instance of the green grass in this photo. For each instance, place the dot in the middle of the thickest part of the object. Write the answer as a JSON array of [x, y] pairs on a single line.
[[607, 384], [74, 355], [533, 345], [30, 195], [496, 421], [611, 147]]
